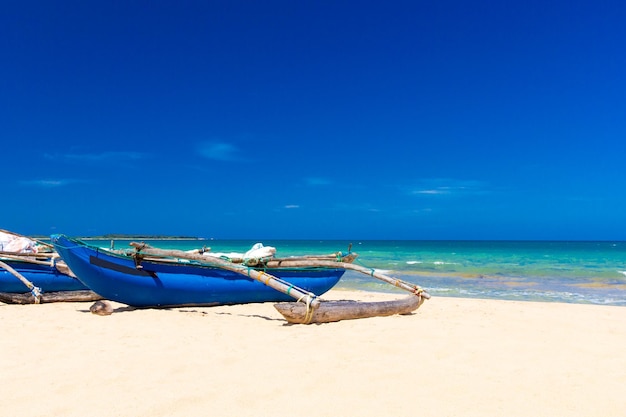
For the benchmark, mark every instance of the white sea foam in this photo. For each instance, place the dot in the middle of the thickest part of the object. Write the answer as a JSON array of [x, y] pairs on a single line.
[[622, 272], [434, 263]]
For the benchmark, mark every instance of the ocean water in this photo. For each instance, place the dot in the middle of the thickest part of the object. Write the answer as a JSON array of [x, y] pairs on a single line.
[[571, 272]]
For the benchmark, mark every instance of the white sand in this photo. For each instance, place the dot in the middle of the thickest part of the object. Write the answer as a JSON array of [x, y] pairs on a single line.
[[453, 357]]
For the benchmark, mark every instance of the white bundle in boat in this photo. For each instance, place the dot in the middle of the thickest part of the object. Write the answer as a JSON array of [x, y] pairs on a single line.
[[16, 244], [258, 251]]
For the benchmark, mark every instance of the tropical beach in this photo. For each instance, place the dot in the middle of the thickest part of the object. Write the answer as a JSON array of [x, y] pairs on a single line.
[[452, 357], [480, 352], [470, 153]]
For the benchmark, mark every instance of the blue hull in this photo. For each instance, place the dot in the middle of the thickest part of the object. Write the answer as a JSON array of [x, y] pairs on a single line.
[[161, 284], [46, 277]]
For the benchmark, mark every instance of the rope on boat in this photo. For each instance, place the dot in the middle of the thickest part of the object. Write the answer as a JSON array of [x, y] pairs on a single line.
[[261, 274], [308, 316]]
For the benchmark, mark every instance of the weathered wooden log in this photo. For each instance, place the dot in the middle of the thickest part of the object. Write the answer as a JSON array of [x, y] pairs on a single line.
[[261, 276], [49, 297], [332, 311]]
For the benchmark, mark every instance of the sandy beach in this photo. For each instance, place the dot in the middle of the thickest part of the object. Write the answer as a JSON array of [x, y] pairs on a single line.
[[453, 357]]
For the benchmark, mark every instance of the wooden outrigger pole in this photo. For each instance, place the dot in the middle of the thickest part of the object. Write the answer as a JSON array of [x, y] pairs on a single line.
[[35, 291], [367, 271]]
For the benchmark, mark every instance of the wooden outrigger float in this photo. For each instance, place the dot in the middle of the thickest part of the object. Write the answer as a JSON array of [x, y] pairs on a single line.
[[330, 311], [49, 297], [152, 277]]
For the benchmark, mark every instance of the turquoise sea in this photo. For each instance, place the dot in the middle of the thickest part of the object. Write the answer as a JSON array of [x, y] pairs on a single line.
[[571, 272]]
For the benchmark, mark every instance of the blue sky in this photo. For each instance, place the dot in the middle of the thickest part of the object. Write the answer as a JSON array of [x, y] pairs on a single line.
[[315, 119]]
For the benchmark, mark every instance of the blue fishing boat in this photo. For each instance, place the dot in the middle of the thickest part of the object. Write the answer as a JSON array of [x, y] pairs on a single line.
[[159, 278], [43, 273], [31, 272]]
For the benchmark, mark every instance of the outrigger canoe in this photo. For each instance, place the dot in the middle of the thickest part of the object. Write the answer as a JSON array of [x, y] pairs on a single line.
[[145, 279], [31, 272], [151, 277]]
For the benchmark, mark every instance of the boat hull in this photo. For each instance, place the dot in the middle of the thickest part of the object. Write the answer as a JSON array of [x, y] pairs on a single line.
[[164, 284], [45, 277]]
